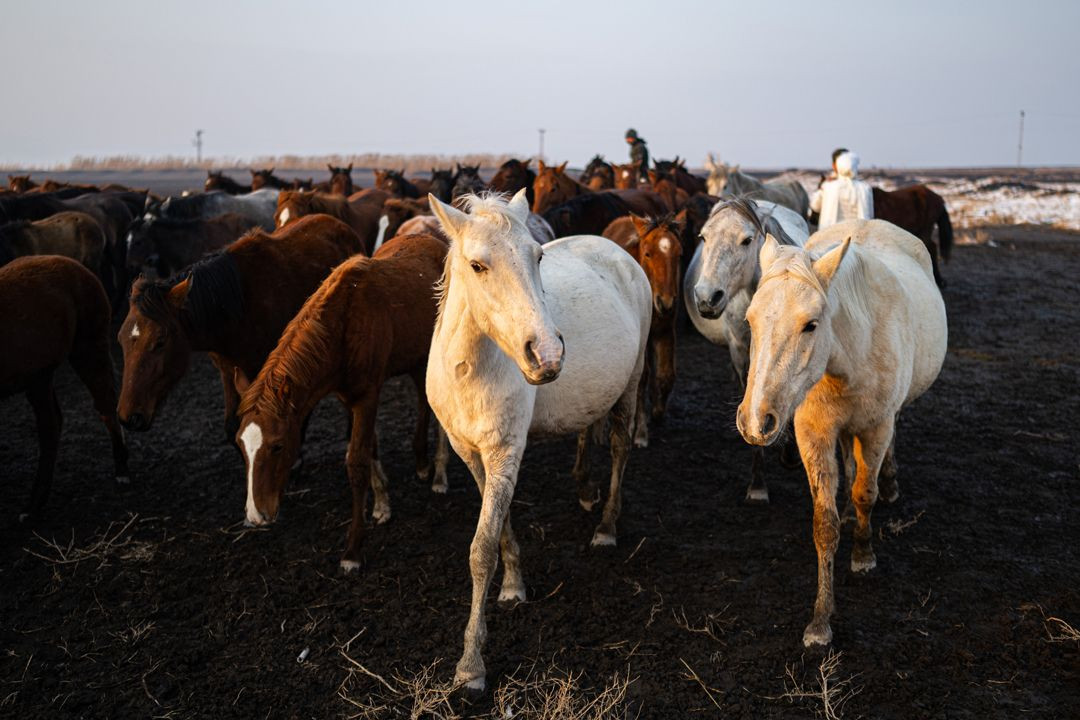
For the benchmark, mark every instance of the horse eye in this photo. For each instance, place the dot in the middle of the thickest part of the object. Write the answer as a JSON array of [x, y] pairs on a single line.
[[810, 326], [477, 267], [746, 241], [158, 344], [276, 448]]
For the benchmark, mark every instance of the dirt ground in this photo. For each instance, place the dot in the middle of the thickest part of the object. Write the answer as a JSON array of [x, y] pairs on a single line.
[[155, 602]]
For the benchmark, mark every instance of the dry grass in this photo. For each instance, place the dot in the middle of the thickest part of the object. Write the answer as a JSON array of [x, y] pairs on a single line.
[[830, 692], [1057, 629], [555, 695], [413, 695], [101, 548], [418, 164]]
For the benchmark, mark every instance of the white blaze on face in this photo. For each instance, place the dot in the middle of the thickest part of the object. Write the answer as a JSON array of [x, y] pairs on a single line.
[[283, 218], [130, 238], [384, 222], [135, 330], [252, 440], [665, 245], [626, 173]]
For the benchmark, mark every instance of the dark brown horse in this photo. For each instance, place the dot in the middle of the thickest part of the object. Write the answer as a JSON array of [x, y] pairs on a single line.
[[657, 246], [233, 305], [74, 235], [20, 183], [340, 180], [56, 310], [513, 175], [586, 214], [683, 178], [361, 211], [395, 183], [162, 247], [598, 174], [467, 181], [267, 179], [220, 181], [442, 184], [554, 187], [663, 184], [369, 321], [918, 209], [397, 211]]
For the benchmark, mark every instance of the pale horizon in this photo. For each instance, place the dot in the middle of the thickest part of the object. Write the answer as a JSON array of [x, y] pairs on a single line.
[[774, 86]]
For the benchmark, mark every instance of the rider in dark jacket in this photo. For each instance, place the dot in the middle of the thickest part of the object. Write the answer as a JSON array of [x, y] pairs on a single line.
[[639, 153]]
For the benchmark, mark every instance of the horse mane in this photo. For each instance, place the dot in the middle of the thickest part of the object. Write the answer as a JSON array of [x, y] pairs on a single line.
[[744, 208], [304, 345], [847, 291], [215, 296], [657, 222]]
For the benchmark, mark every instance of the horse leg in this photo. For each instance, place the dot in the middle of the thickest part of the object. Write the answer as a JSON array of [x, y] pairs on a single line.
[[620, 451], [588, 492], [641, 420], [663, 371], [491, 529], [380, 484], [439, 482], [359, 460], [931, 246], [757, 493], [870, 449], [231, 396], [42, 399], [888, 489], [420, 437], [819, 458], [94, 368], [847, 455]]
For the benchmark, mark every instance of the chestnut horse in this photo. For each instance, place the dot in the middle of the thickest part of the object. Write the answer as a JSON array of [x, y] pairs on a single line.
[[62, 314], [369, 321], [267, 179], [663, 184], [598, 174], [20, 183], [340, 180], [233, 304], [683, 178], [512, 176], [220, 181], [626, 177], [394, 182], [918, 209], [655, 243], [361, 211], [554, 187]]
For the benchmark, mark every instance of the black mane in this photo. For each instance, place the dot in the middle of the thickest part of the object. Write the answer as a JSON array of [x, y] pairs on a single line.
[[215, 298]]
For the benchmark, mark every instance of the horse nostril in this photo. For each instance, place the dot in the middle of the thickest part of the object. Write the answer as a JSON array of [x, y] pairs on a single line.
[[768, 424], [716, 298], [530, 355]]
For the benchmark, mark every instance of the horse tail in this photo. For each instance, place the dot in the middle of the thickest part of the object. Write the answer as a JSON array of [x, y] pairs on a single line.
[[945, 233]]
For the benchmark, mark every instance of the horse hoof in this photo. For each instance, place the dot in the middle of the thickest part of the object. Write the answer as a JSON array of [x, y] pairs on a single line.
[[641, 442], [440, 488], [350, 566], [510, 597], [23, 517], [602, 539], [471, 688], [891, 496], [587, 505], [757, 496], [817, 635], [864, 563], [380, 515]]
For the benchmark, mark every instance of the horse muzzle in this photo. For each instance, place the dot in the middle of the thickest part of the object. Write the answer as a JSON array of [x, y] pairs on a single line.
[[136, 422], [544, 359], [710, 303], [758, 427]]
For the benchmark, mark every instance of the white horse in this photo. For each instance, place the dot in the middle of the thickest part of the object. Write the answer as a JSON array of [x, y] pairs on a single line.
[[730, 180], [722, 277], [846, 332], [497, 372]]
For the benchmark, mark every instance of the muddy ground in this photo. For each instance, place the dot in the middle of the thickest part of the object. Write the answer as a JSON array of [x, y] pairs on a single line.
[[155, 601]]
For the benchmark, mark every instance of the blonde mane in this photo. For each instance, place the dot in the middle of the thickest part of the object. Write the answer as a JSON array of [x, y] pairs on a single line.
[[847, 292]]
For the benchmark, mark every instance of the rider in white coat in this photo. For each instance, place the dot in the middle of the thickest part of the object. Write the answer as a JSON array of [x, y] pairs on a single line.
[[846, 197]]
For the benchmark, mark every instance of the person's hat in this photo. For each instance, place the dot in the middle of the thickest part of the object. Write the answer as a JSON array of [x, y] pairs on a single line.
[[632, 133]]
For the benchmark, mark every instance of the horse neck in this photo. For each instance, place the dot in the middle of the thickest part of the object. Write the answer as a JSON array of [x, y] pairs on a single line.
[[851, 320], [322, 363], [459, 335]]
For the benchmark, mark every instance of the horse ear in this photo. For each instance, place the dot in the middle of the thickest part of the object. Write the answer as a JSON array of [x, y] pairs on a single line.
[[827, 265], [641, 225], [349, 169], [240, 380], [540, 164], [519, 205], [179, 293], [330, 168], [710, 163], [653, 177], [769, 250], [680, 221], [253, 172], [453, 221], [525, 162], [562, 168]]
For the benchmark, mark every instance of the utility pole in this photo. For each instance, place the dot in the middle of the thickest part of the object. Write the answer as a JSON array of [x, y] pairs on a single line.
[[1020, 146], [197, 142], [542, 131]]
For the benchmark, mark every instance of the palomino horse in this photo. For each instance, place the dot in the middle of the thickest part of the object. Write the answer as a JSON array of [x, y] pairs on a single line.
[[655, 243], [261, 179], [918, 209], [554, 187], [394, 182], [369, 321], [72, 234], [361, 211], [233, 305], [598, 174], [467, 181], [497, 371], [161, 247], [726, 180], [513, 175], [62, 314], [720, 283], [846, 333], [626, 177], [341, 180], [220, 181]]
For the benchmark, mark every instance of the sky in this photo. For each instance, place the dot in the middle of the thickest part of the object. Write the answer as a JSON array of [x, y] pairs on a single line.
[[764, 84]]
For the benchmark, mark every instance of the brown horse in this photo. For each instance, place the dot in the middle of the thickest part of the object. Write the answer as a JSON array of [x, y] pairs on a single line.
[[554, 187], [598, 174], [162, 247], [657, 246], [56, 310], [683, 178], [341, 180], [369, 321], [442, 184], [267, 179], [626, 177], [220, 181], [360, 211], [467, 181], [20, 183], [72, 234], [663, 184], [396, 211], [394, 182], [233, 305], [513, 175], [918, 209]]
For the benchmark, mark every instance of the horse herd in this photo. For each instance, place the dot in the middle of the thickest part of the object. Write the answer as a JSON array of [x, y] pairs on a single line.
[[506, 332]]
